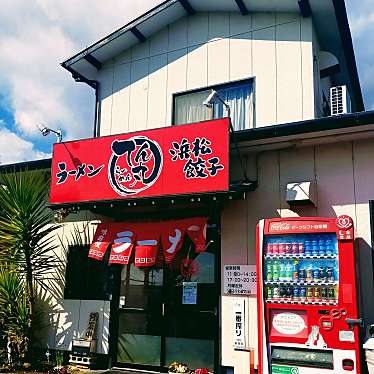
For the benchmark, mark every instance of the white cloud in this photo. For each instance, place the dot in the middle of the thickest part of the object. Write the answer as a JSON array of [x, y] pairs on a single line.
[[35, 37], [15, 149], [360, 23]]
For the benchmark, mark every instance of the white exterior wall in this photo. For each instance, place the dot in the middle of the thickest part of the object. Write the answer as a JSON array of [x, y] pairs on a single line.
[[276, 49], [344, 179]]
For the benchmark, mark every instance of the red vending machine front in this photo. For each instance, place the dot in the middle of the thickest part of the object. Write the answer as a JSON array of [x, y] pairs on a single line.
[[307, 304]]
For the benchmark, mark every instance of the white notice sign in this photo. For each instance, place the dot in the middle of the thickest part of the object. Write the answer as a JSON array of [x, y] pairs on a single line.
[[347, 336], [239, 324], [189, 296], [240, 280]]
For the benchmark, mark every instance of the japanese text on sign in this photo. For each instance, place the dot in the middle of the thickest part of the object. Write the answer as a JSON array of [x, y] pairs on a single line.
[[302, 226], [240, 338], [240, 279], [197, 164]]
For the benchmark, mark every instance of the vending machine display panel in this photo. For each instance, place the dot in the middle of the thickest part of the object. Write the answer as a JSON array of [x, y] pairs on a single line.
[[301, 269]]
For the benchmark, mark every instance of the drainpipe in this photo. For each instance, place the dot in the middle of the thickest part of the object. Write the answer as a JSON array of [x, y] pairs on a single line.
[[97, 110]]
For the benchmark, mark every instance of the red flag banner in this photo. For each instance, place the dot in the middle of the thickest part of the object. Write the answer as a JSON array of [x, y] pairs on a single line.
[[172, 239], [149, 239], [196, 230], [123, 243], [101, 241], [147, 244]]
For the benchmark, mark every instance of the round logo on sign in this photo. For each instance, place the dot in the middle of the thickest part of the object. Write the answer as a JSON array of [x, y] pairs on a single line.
[[135, 165], [288, 323], [344, 222]]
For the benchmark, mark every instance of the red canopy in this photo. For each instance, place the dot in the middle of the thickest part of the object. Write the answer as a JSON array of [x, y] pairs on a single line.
[[147, 238]]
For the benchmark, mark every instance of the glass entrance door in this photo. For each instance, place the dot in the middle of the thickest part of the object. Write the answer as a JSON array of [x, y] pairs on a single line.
[[140, 319], [170, 313], [191, 312]]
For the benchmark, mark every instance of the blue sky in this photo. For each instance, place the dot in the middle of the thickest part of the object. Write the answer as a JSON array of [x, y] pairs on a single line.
[[36, 36]]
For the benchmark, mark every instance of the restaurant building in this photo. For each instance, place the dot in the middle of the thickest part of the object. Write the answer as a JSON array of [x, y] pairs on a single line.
[[171, 190]]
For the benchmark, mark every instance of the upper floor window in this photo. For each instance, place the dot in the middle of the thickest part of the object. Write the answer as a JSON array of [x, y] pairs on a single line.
[[189, 108]]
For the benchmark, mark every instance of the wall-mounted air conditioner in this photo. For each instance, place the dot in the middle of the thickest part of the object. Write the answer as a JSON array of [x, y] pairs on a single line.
[[340, 102]]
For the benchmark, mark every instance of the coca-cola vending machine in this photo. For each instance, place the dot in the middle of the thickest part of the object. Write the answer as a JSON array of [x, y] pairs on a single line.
[[307, 303]]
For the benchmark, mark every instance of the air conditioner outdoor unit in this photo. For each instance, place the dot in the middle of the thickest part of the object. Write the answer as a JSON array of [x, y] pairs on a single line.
[[340, 102]]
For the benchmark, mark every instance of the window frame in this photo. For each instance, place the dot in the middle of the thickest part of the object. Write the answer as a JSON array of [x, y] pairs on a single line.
[[217, 87]]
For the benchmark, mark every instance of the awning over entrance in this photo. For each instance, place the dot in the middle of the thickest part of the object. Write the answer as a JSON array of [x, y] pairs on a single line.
[[153, 242]]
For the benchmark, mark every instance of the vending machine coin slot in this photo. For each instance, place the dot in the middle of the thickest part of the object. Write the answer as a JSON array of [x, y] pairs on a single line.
[[326, 323]]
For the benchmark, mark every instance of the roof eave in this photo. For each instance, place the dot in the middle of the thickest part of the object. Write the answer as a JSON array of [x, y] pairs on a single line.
[[115, 34], [341, 123]]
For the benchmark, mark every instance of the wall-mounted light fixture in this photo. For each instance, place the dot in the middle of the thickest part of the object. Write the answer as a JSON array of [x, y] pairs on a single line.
[[60, 214], [213, 96], [46, 131]]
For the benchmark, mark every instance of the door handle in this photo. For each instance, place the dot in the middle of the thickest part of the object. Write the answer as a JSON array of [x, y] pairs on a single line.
[[163, 309], [214, 312], [133, 309]]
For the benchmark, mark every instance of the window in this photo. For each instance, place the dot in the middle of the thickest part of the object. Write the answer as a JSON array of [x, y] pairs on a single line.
[[87, 279], [189, 108]]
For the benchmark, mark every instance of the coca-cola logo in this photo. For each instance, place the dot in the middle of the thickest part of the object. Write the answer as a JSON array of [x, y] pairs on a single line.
[[279, 226], [344, 222]]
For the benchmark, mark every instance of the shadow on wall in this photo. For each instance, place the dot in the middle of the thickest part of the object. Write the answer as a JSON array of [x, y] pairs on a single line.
[[47, 298], [142, 67]]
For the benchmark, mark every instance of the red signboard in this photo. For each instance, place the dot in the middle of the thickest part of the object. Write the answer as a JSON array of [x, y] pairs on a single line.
[[168, 161]]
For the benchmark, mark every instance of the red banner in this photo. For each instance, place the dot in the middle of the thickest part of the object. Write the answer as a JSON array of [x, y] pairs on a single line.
[[172, 240], [147, 239], [147, 244], [102, 239], [169, 161], [123, 241]]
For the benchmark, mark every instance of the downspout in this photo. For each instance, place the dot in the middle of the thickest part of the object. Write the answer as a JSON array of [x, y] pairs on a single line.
[[97, 111]]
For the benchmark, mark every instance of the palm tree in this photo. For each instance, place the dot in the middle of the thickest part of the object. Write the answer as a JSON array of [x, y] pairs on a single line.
[[14, 314], [26, 228]]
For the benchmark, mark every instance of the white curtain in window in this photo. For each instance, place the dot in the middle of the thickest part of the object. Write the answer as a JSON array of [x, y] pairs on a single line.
[[240, 99], [189, 108]]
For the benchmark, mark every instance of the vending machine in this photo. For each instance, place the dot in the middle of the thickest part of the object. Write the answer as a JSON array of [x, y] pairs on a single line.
[[307, 303]]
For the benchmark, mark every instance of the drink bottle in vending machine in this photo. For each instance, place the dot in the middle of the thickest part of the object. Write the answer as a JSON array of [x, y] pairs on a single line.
[[307, 307]]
